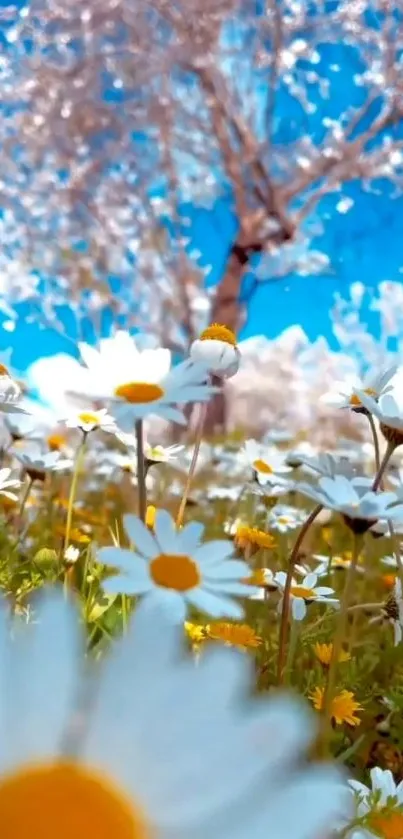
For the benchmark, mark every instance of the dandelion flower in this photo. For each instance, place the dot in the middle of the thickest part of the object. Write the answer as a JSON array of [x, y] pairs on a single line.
[[343, 709], [324, 652], [171, 567], [239, 635], [166, 748], [216, 349], [252, 537]]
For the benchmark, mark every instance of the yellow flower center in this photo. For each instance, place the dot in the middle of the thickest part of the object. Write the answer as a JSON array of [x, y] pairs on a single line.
[[283, 520], [324, 653], [355, 400], [301, 591], [388, 823], [89, 418], [176, 571], [137, 393], [3, 370], [262, 466], [56, 442], [66, 801], [218, 332]]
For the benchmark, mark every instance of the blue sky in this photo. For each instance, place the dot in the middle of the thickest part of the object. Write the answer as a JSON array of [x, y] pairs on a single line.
[[364, 244]]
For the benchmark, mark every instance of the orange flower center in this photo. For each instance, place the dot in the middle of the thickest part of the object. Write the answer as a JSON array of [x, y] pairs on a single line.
[[137, 393], [3, 370], [56, 442], [175, 571], [301, 591], [355, 400], [66, 801], [262, 466], [388, 824], [218, 332]]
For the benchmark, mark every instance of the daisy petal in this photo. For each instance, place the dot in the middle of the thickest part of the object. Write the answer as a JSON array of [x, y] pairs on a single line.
[[140, 536]]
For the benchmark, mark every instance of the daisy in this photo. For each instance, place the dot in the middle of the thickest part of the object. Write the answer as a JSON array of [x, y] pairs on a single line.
[[149, 744], [354, 498], [347, 394], [154, 454], [217, 350], [381, 804], [38, 463], [344, 706], [326, 464], [88, 421], [389, 411], [7, 484], [307, 591], [266, 462], [393, 610], [10, 393], [335, 563], [284, 518], [173, 568], [139, 382]]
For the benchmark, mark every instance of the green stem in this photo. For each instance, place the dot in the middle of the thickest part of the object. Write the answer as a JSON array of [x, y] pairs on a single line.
[[25, 496], [141, 470], [73, 490], [337, 645], [375, 442], [287, 592], [292, 648], [197, 444], [385, 460]]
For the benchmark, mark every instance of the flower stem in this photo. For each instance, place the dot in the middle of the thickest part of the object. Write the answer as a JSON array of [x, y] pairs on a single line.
[[73, 490], [375, 442], [141, 470], [385, 460], [287, 592], [197, 443], [337, 645], [25, 496]]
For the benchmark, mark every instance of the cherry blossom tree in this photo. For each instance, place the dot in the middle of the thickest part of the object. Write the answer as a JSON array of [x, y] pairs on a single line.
[[120, 119]]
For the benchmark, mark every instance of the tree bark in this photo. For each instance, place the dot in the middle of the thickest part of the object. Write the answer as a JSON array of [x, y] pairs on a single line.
[[227, 310]]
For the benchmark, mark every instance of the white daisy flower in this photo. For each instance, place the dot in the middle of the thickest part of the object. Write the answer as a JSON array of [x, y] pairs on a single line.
[[90, 420], [334, 563], [140, 382], [327, 464], [160, 746], [388, 408], [382, 803], [229, 493], [10, 393], [284, 518], [304, 592], [171, 567], [347, 394], [267, 462], [71, 554], [38, 463], [353, 498], [154, 454], [217, 350], [7, 484]]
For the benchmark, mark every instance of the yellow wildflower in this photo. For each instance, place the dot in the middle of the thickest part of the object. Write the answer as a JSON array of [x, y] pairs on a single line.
[[238, 635], [324, 653], [195, 632], [253, 537], [343, 708], [150, 516]]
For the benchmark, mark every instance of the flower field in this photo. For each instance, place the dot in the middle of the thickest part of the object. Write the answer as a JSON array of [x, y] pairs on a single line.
[[205, 636]]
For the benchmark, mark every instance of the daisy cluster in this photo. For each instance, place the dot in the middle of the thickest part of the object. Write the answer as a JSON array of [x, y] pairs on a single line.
[[219, 614]]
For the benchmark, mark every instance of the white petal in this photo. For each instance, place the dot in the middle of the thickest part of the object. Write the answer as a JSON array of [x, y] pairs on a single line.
[[212, 553], [127, 584], [298, 608], [165, 532], [140, 536], [232, 569], [189, 538], [120, 558], [40, 688], [214, 604]]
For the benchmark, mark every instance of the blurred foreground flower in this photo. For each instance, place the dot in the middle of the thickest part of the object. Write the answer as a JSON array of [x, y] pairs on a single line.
[[162, 748], [173, 569]]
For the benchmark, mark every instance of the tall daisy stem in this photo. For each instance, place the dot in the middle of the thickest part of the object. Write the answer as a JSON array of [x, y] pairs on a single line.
[[337, 645], [73, 491], [385, 460], [141, 469], [287, 592], [25, 496], [375, 442], [196, 450]]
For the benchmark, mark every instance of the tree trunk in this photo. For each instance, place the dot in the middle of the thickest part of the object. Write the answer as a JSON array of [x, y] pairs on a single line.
[[227, 310]]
